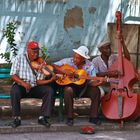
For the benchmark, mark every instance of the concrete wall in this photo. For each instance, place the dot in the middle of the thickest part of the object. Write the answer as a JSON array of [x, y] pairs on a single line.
[[131, 34], [59, 25]]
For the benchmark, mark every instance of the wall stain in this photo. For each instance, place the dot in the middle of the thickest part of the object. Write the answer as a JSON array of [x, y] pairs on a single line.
[[92, 10], [73, 17]]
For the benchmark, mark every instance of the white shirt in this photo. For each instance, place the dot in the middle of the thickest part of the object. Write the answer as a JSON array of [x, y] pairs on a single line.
[[100, 65], [21, 68]]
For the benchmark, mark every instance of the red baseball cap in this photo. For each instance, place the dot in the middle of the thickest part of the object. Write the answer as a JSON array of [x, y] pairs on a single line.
[[33, 45]]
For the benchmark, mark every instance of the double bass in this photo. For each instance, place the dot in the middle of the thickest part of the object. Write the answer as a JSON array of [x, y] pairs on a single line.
[[121, 103]]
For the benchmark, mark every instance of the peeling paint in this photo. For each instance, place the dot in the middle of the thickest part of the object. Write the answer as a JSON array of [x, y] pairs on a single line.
[[92, 10], [73, 17]]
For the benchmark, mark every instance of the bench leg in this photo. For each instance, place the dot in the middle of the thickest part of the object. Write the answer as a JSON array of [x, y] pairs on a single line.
[[60, 111]]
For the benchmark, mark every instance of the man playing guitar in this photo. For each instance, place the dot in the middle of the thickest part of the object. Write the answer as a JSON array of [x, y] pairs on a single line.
[[88, 89]]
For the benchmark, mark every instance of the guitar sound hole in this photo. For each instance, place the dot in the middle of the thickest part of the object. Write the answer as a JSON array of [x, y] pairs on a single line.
[[76, 76]]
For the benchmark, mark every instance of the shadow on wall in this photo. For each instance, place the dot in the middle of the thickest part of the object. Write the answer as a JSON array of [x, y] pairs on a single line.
[[59, 24]]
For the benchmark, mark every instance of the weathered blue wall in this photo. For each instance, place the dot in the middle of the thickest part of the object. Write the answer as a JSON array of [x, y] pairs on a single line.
[[60, 25]]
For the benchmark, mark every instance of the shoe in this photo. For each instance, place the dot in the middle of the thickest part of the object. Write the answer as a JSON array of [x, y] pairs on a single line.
[[44, 121], [16, 123], [96, 121], [69, 122]]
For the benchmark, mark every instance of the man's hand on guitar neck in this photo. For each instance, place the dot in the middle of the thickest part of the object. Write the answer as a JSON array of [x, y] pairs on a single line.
[[114, 73], [98, 81]]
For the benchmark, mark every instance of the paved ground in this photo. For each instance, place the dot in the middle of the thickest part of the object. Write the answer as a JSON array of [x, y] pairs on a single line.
[[30, 130], [31, 125], [99, 135], [30, 112]]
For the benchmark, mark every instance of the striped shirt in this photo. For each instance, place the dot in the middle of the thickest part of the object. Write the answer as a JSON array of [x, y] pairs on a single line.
[[88, 67], [22, 69], [100, 64]]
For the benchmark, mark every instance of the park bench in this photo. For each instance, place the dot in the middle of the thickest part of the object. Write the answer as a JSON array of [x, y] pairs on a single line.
[[5, 74]]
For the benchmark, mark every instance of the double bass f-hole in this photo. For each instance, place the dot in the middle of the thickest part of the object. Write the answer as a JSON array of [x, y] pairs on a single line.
[[127, 92], [120, 90], [123, 90], [110, 94]]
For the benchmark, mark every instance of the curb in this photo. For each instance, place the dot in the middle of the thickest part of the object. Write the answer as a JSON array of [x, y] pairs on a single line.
[[61, 127]]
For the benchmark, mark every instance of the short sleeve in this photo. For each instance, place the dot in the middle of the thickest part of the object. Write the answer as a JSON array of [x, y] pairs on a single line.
[[63, 62], [15, 66]]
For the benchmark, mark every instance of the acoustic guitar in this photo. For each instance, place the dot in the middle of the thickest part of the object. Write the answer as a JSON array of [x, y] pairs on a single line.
[[77, 76]]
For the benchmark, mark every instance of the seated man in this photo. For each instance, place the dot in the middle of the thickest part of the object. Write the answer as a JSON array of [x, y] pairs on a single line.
[[88, 89], [29, 83], [103, 62]]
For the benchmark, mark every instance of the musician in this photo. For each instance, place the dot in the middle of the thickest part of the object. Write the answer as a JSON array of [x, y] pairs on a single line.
[[103, 62], [88, 89], [29, 83]]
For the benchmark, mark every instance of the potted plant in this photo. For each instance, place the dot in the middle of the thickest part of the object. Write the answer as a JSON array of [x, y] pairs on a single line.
[[44, 55], [9, 33]]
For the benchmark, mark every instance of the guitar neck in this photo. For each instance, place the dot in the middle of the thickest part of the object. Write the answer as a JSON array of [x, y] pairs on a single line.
[[51, 72], [91, 78], [110, 80]]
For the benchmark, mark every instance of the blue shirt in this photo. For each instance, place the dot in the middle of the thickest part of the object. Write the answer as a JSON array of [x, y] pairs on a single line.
[[88, 66]]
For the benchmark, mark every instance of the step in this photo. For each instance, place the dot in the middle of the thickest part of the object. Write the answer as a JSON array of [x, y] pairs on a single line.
[[31, 126], [30, 108]]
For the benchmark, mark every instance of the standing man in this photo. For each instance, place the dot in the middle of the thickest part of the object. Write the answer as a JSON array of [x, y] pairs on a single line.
[[29, 83], [89, 89]]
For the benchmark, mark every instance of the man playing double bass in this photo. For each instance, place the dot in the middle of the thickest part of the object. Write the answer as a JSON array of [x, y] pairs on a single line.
[[103, 62], [88, 89], [115, 105]]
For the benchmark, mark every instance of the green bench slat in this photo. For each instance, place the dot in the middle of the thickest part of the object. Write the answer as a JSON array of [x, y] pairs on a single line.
[[5, 96], [2, 75], [4, 70]]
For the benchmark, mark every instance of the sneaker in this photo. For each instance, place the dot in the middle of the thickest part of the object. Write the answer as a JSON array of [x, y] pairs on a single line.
[[96, 121], [16, 122], [44, 121], [69, 122]]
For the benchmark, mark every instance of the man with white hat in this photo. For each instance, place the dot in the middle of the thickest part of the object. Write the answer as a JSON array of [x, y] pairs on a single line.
[[103, 62], [90, 90]]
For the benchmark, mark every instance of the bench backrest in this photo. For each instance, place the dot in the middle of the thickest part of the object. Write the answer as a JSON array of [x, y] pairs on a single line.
[[4, 73]]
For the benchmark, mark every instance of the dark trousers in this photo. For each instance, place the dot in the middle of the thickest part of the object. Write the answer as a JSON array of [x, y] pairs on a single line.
[[43, 92], [91, 92]]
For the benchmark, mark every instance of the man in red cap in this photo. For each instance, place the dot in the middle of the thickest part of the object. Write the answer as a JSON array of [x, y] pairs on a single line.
[[33, 45], [29, 83]]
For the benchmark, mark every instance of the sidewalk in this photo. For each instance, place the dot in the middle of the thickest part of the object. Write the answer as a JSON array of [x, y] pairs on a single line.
[[30, 112], [31, 125]]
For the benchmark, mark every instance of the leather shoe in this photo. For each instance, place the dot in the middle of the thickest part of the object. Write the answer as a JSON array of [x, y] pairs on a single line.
[[44, 121], [69, 122], [16, 122], [96, 121]]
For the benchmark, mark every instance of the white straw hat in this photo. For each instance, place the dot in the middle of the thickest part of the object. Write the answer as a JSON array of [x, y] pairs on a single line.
[[83, 51], [104, 43]]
